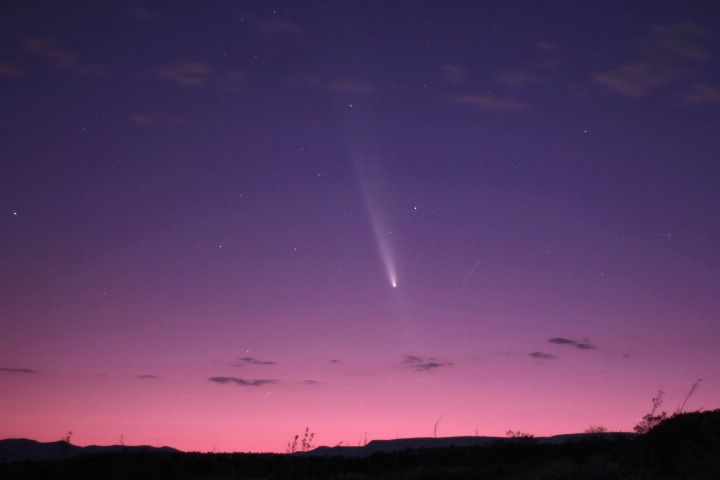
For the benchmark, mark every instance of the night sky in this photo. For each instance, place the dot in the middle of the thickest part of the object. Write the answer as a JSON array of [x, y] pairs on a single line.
[[223, 222]]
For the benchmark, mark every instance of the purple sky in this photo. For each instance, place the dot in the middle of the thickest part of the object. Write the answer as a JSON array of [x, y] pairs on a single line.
[[222, 222]]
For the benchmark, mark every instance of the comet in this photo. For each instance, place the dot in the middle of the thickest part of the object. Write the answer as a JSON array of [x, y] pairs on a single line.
[[380, 227], [382, 241]]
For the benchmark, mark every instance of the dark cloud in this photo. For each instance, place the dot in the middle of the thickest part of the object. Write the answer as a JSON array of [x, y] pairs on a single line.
[[542, 356], [310, 382], [16, 370], [422, 364], [334, 360], [585, 345], [253, 361], [242, 381], [147, 376]]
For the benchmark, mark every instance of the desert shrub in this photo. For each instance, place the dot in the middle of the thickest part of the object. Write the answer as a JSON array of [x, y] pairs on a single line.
[[651, 420], [595, 429], [306, 442], [517, 434]]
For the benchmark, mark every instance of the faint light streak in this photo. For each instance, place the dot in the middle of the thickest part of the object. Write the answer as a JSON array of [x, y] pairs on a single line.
[[474, 267]]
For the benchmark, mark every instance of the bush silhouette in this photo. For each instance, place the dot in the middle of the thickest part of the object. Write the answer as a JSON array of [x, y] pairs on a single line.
[[686, 444], [651, 420], [687, 431]]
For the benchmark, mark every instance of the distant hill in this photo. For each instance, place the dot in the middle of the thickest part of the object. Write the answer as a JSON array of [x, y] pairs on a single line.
[[22, 449], [685, 446], [400, 444]]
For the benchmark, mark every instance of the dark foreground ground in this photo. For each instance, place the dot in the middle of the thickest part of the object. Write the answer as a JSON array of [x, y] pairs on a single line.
[[684, 447]]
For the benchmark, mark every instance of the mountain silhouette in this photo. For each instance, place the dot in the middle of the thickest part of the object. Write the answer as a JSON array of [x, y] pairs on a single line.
[[23, 449]]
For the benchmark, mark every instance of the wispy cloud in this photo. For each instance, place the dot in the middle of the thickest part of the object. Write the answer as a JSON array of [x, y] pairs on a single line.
[[701, 93], [541, 67], [454, 74], [274, 25], [187, 72], [10, 70], [147, 376], [343, 84], [310, 382], [145, 120], [62, 58], [140, 119], [584, 345], [491, 102], [639, 78], [503, 352], [352, 85], [277, 26], [668, 55], [529, 72], [16, 370], [231, 80], [517, 78], [306, 80], [422, 364], [253, 361], [683, 39], [335, 360], [194, 73], [542, 356], [148, 15], [546, 46], [241, 381]]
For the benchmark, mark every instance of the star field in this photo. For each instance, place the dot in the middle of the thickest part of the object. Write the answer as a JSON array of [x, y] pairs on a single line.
[[225, 222]]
